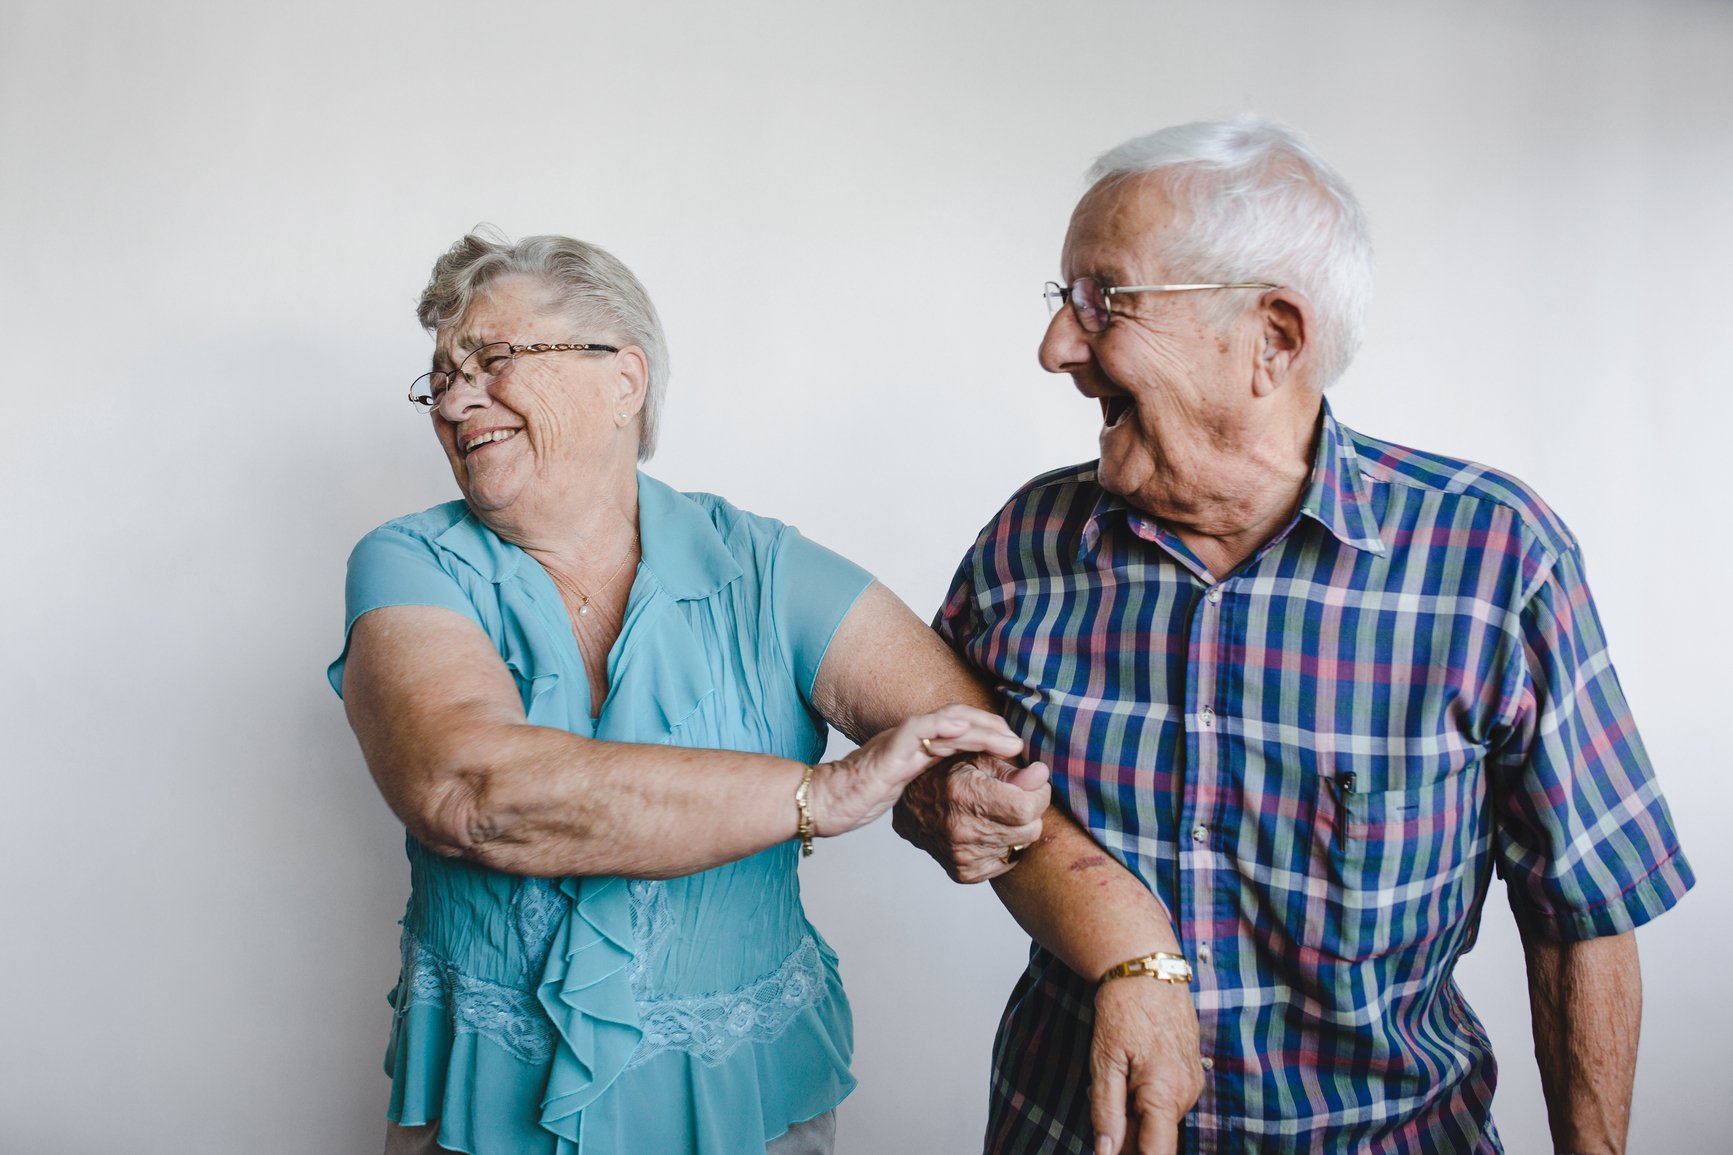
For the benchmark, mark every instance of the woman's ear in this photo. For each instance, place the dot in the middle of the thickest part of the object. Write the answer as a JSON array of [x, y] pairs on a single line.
[[631, 381]]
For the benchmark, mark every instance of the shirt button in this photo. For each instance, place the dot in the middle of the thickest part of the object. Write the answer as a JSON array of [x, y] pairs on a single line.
[[1215, 594], [1203, 955], [1207, 716], [1199, 832], [1209, 1064]]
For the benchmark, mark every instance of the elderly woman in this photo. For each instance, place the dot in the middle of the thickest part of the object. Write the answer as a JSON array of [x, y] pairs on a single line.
[[596, 704]]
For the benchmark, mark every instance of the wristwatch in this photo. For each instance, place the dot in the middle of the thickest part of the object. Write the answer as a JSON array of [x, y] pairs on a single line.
[[1167, 968]]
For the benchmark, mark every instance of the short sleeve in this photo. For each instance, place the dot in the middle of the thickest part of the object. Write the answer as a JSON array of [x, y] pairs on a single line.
[[1585, 841], [956, 620], [814, 590], [392, 568]]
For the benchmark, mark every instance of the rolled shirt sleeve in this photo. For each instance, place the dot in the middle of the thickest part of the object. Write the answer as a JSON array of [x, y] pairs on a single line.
[[1585, 841]]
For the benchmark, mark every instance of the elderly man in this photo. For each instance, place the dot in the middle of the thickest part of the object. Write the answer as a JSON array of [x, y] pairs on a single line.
[[1311, 689]]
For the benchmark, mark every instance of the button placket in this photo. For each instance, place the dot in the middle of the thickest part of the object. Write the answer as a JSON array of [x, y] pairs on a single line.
[[1200, 881]]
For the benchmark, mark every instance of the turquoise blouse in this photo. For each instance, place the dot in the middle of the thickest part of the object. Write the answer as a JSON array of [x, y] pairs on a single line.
[[607, 1016]]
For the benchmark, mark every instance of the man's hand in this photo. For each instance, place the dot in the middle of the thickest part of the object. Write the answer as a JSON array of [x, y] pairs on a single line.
[[969, 815], [1145, 1071]]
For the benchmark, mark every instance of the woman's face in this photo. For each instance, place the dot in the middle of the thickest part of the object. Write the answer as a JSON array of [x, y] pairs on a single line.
[[549, 424]]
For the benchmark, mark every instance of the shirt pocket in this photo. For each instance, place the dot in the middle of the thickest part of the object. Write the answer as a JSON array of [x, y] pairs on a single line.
[[1394, 851]]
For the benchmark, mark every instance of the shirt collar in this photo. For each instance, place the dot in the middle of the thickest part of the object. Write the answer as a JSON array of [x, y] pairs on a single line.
[[1337, 496], [680, 544]]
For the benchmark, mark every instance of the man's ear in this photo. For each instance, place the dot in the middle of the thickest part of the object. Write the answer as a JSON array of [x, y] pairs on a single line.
[[1286, 318]]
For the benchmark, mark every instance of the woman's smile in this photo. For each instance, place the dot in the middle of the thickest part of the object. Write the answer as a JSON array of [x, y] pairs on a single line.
[[471, 442]]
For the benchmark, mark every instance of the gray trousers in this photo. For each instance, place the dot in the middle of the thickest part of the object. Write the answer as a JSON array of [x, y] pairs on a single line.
[[813, 1137]]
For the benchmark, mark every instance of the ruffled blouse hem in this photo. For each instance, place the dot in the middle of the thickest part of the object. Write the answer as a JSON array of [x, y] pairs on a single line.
[[489, 1100]]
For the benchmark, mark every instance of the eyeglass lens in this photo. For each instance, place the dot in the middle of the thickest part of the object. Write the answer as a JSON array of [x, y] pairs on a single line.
[[484, 368], [1087, 301]]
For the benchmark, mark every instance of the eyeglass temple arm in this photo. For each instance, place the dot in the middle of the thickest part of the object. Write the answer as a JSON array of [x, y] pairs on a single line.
[[1184, 288]]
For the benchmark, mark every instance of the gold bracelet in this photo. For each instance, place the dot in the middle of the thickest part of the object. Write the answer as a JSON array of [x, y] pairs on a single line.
[[1164, 967], [802, 797]]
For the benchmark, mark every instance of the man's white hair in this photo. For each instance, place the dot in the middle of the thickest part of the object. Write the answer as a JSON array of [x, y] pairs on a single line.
[[1256, 204]]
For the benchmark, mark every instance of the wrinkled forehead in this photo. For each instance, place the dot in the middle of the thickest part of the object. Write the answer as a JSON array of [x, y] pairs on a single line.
[[1120, 229], [512, 307]]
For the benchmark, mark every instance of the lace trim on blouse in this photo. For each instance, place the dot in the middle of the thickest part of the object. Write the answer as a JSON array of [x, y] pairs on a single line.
[[709, 1027], [507, 1016], [712, 1027]]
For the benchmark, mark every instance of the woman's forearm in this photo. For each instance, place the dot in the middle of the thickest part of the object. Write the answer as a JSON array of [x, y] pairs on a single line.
[[442, 727], [443, 730], [546, 802]]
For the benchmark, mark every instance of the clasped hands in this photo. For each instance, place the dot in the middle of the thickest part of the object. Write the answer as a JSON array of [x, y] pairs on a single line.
[[970, 815]]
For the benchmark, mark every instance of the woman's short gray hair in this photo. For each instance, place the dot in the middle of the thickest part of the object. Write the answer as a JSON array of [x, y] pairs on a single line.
[[1257, 204], [585, 282]]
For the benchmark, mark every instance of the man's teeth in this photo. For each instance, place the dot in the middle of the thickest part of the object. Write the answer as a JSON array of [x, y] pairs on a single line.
[[497, 435]]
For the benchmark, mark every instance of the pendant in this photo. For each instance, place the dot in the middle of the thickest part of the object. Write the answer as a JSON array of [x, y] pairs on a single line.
[[585, 608]]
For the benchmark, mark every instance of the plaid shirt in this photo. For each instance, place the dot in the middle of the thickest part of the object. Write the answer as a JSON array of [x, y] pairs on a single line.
[[1317, 762]]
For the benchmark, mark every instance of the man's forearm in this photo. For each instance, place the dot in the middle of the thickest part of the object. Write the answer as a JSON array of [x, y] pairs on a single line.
[[1144, 1063], [1586, 999], [1079, 902]]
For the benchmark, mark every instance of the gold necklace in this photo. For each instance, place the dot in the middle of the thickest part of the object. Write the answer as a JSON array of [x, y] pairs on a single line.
[[584, 598]]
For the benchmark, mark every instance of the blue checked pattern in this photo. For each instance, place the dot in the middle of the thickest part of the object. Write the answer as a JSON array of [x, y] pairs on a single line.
[[1317, 762]]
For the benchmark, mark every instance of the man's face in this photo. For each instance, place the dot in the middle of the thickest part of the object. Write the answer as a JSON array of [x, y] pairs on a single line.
[[1173, 389]]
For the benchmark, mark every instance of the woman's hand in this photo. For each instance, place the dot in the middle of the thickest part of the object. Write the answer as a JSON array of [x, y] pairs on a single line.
[[850, 793]]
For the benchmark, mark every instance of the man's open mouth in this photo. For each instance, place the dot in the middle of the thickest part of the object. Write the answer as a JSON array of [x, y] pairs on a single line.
[[1113, 410]]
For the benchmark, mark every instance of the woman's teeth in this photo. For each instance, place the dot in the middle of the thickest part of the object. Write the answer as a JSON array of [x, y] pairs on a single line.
[[475, 443]]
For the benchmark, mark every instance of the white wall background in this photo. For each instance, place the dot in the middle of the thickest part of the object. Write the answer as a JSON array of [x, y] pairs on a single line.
[[214, 222]]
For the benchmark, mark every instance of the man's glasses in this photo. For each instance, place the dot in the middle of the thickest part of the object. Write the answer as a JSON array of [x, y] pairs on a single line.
[[486, 367], [1091, 301]]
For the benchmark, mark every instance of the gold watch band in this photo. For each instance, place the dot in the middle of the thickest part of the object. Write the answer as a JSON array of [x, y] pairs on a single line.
[[802, 797], [1161, 966]]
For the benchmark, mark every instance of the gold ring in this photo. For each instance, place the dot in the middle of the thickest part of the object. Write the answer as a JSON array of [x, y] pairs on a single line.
[[928, 747], [1016, 852]]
